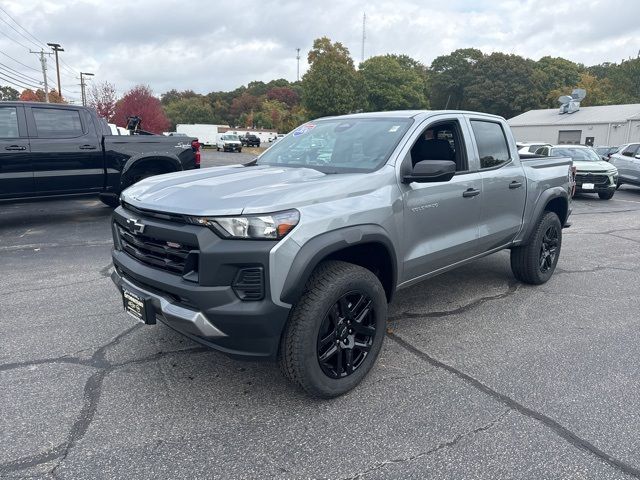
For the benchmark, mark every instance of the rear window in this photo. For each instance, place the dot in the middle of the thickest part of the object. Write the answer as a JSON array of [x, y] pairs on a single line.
[[57, 122], [492, 143], [8, 122]]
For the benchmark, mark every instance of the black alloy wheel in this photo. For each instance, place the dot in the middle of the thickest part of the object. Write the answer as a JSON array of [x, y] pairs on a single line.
[[346, 335], [549, 248]]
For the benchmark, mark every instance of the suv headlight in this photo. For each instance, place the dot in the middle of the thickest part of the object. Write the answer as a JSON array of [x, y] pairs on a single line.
[[272, 226]]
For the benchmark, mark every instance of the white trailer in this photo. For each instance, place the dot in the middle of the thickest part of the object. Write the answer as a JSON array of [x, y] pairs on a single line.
[[204, 132]]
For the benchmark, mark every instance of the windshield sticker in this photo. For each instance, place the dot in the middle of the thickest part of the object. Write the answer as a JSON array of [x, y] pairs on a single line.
[[304, 129], [343, 127], [394, 128]]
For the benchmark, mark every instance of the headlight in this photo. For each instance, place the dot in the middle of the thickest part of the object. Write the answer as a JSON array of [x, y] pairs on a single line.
[[273, 226]]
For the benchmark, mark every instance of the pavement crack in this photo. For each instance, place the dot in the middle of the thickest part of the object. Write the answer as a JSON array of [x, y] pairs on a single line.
[[440, 446], [91, 398], [560, 430], [598, 268], [513, 288]]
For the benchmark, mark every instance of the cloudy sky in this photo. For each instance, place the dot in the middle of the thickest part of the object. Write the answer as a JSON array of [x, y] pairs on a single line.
[[214, 45]]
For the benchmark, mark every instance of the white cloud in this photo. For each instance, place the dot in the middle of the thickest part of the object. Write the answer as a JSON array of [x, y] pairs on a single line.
[[208, 46]]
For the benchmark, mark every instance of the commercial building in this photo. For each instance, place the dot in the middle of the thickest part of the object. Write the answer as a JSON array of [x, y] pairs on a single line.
[[605, 125]]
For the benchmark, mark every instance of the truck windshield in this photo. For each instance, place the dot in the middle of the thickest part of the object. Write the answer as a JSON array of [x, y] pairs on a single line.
[[579, 154], [339, 145], [229, 137]]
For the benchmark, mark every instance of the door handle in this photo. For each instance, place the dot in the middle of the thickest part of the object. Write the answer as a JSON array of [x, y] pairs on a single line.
[[470, 192], [15, 147], [515, 184], [88, 147]]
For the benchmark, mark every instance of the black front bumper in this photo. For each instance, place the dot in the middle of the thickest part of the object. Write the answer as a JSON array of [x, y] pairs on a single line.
[[205, 303]]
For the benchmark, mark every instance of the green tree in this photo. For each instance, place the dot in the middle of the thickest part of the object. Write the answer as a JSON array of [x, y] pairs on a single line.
[[625, 81], [450, 76], [189, 110], [9, 93], [330, 85], [390, 84], [557, 73], [505, 85]]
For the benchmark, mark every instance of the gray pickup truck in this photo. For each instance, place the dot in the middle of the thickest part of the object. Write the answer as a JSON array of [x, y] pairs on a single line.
[[295, 256]]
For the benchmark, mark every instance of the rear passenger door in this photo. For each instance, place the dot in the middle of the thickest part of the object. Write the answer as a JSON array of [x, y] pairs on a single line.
[[627, 163], [503, 184], [16, 171], [65, 150]]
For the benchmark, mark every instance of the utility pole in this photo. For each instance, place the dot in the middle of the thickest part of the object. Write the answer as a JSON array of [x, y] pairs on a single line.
[[56, 48], [364, 32], [43, 62], [82, 84], [298, 58]]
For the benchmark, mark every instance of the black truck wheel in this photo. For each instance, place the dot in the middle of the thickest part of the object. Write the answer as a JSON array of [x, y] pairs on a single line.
[[110, 199], [606, 195], [335, 332], [535, 262]]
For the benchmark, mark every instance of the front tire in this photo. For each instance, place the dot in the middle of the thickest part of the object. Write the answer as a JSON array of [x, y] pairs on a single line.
[[606, 195], [335, 331], [535, 262]]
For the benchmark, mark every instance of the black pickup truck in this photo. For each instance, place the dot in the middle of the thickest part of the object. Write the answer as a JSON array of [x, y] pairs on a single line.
[[52, 149], [250, 140]]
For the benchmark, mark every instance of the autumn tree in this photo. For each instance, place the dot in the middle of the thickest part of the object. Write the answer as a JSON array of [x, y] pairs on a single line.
[[330, 86], [285, 95], [390, 85], [38, 95], [556, 73], [9, 93], [141, 102], [103, 98]]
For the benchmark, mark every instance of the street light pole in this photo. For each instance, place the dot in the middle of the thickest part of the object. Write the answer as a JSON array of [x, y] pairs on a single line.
[[56, 48], [84, 96]]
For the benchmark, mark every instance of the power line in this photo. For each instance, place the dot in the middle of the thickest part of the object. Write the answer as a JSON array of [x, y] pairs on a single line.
[[7, 67], [15, 84], [17, 79], [42, 44], [18, 61], [20, 33], [14, 40]]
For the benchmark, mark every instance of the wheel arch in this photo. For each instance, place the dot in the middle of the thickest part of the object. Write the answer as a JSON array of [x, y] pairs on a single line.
[[164, 163], [554, 200], [368, 246]]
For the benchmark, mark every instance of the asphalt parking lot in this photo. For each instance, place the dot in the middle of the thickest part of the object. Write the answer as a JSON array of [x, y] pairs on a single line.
[[480, 376]]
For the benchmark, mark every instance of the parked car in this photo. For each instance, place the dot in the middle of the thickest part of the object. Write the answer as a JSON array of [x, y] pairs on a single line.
[[54, 150], [229, 142], [606, 152], [295, 255], [627, 161], [531, 147], [593, 175], [250, 140]]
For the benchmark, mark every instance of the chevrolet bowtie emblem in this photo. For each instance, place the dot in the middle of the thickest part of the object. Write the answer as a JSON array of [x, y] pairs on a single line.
[[135, 225]]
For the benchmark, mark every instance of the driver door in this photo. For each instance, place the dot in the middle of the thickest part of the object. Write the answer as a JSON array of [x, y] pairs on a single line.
[[441, 219]]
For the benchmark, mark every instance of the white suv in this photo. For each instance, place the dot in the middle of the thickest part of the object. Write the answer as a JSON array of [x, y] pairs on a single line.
[[627, 161]]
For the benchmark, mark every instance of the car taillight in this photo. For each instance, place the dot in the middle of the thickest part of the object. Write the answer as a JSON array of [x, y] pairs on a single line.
[[195, 145]]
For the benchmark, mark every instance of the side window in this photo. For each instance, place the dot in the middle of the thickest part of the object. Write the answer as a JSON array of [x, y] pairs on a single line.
[[544, 151], [9, 122], [57, 122], [492, 143], [631, 150], [441, 141]]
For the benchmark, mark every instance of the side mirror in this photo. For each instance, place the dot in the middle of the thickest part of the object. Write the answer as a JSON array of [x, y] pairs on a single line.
[[431, 171], [638, 156]]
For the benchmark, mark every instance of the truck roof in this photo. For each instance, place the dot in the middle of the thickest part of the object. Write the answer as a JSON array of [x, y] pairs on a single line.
[[410, 114], [39, 104]]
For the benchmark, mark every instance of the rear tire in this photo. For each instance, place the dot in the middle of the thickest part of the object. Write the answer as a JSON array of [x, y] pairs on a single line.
[[535, 262], [335, 331], [606, 195]]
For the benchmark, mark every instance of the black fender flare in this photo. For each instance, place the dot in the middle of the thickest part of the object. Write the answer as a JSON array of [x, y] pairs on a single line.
[[318, 248], [541, 205], [135, 160]]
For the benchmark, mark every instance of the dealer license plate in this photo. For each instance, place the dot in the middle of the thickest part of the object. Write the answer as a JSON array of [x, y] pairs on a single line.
[[137, 306], [588, 186]]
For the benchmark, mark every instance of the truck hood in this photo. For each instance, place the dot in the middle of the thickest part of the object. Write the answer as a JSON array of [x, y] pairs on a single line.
[[604, 167], [236, 189]]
